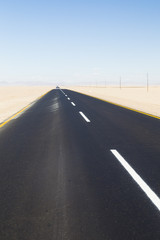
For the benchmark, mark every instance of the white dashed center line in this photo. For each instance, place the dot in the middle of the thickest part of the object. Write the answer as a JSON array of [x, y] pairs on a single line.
[[148, 191], [73, 104], [68, 98], [82, 114], [61, 91]]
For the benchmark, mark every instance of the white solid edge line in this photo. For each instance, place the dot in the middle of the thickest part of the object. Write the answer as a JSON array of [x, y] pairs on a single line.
[[148, 191], [82, 114], [73, 104]]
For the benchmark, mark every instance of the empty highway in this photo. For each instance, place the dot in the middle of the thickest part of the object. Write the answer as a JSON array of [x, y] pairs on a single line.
[[73, 167]]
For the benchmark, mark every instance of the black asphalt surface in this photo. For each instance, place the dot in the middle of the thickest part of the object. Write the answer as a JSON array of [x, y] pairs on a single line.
[[60, 181]]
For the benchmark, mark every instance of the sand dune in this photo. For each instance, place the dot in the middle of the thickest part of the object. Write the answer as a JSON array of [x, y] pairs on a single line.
[[14, 98], [133, 97]]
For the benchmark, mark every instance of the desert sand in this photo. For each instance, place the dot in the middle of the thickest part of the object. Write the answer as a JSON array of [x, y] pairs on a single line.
[[137, 98], [14, 98]]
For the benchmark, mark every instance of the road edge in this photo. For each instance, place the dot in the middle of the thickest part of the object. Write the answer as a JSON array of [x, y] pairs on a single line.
[[119, 105], [21, 110]]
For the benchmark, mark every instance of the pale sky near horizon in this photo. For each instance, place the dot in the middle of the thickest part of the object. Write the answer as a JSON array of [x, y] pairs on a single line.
[[80, 42]]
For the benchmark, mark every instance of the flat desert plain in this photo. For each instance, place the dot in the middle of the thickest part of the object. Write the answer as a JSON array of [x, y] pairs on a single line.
[[137, 98], [14, 98]]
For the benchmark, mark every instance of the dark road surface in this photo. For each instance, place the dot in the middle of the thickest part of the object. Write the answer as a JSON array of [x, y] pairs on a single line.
[[60, 180]]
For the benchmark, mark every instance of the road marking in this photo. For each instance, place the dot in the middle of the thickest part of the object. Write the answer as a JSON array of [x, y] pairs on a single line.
[[148, 191], [61, 91], [68, 98], [15, 115], [73, 104], [21, 111], [82, 114], [122, 106]]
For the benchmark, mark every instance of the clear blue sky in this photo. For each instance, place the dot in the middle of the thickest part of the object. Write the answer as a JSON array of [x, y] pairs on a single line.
[[79, 41]]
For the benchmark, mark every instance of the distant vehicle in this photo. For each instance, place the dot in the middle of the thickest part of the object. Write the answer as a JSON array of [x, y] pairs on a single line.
[[57, 87]]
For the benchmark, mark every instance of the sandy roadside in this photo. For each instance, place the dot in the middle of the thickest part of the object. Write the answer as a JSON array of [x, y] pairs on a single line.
[[136, 98], [14, 98]]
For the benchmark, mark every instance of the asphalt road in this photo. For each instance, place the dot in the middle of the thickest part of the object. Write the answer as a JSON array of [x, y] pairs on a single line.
[[60, 180]]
